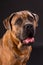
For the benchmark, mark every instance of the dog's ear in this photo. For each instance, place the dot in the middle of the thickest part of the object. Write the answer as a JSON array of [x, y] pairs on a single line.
[[7, 21], [36, 17]]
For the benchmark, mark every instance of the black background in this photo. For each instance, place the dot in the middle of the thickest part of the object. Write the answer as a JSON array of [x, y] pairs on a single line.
[[9, 6]]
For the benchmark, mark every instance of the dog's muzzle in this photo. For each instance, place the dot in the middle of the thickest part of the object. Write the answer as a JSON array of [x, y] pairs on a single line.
[[28, 33], [28, 30]]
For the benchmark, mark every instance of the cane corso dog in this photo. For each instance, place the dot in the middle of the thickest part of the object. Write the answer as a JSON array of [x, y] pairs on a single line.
[[15, 45]]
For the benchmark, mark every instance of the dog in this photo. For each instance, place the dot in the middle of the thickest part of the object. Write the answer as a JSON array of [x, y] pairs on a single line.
[[15, 45]]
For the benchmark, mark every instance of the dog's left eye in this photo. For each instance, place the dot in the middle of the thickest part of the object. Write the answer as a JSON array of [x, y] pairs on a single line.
[[30, 18], [18, 21]]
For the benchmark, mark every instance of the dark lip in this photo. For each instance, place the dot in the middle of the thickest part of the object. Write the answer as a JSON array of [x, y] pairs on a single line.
[[29, 44], [30, 35]]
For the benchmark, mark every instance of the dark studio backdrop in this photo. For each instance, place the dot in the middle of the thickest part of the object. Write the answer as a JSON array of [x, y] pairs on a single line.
[[9, 6]]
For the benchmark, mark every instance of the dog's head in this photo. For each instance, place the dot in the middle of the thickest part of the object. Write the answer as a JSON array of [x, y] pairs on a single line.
[[23, 25]]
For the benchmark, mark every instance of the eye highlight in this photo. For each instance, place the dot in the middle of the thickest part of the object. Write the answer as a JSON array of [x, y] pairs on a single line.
[[18, 21], [30, 18]]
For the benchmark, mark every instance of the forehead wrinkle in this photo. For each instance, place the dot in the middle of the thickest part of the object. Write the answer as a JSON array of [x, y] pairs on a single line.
[[30, 14], [24, 13]]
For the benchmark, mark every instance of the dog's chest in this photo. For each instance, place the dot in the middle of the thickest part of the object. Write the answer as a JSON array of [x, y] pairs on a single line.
[[24, 54]]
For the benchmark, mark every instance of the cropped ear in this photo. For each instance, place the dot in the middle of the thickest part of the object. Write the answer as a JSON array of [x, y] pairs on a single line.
[[36, 17], [7, 22]]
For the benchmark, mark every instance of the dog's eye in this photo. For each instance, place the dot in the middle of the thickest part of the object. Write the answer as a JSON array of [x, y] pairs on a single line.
[[18, 21], [30, 18]]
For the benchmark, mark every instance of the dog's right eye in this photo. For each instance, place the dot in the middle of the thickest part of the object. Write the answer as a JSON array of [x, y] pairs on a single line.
[[18, 21], [30, 18]]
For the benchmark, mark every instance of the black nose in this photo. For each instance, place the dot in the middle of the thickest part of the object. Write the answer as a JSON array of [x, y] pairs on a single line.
[[28, 26]]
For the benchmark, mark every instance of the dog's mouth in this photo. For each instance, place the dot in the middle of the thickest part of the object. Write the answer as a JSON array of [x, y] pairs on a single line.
[[28, 40]]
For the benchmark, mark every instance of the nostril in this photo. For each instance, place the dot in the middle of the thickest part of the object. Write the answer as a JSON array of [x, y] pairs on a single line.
[[28, 26]]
